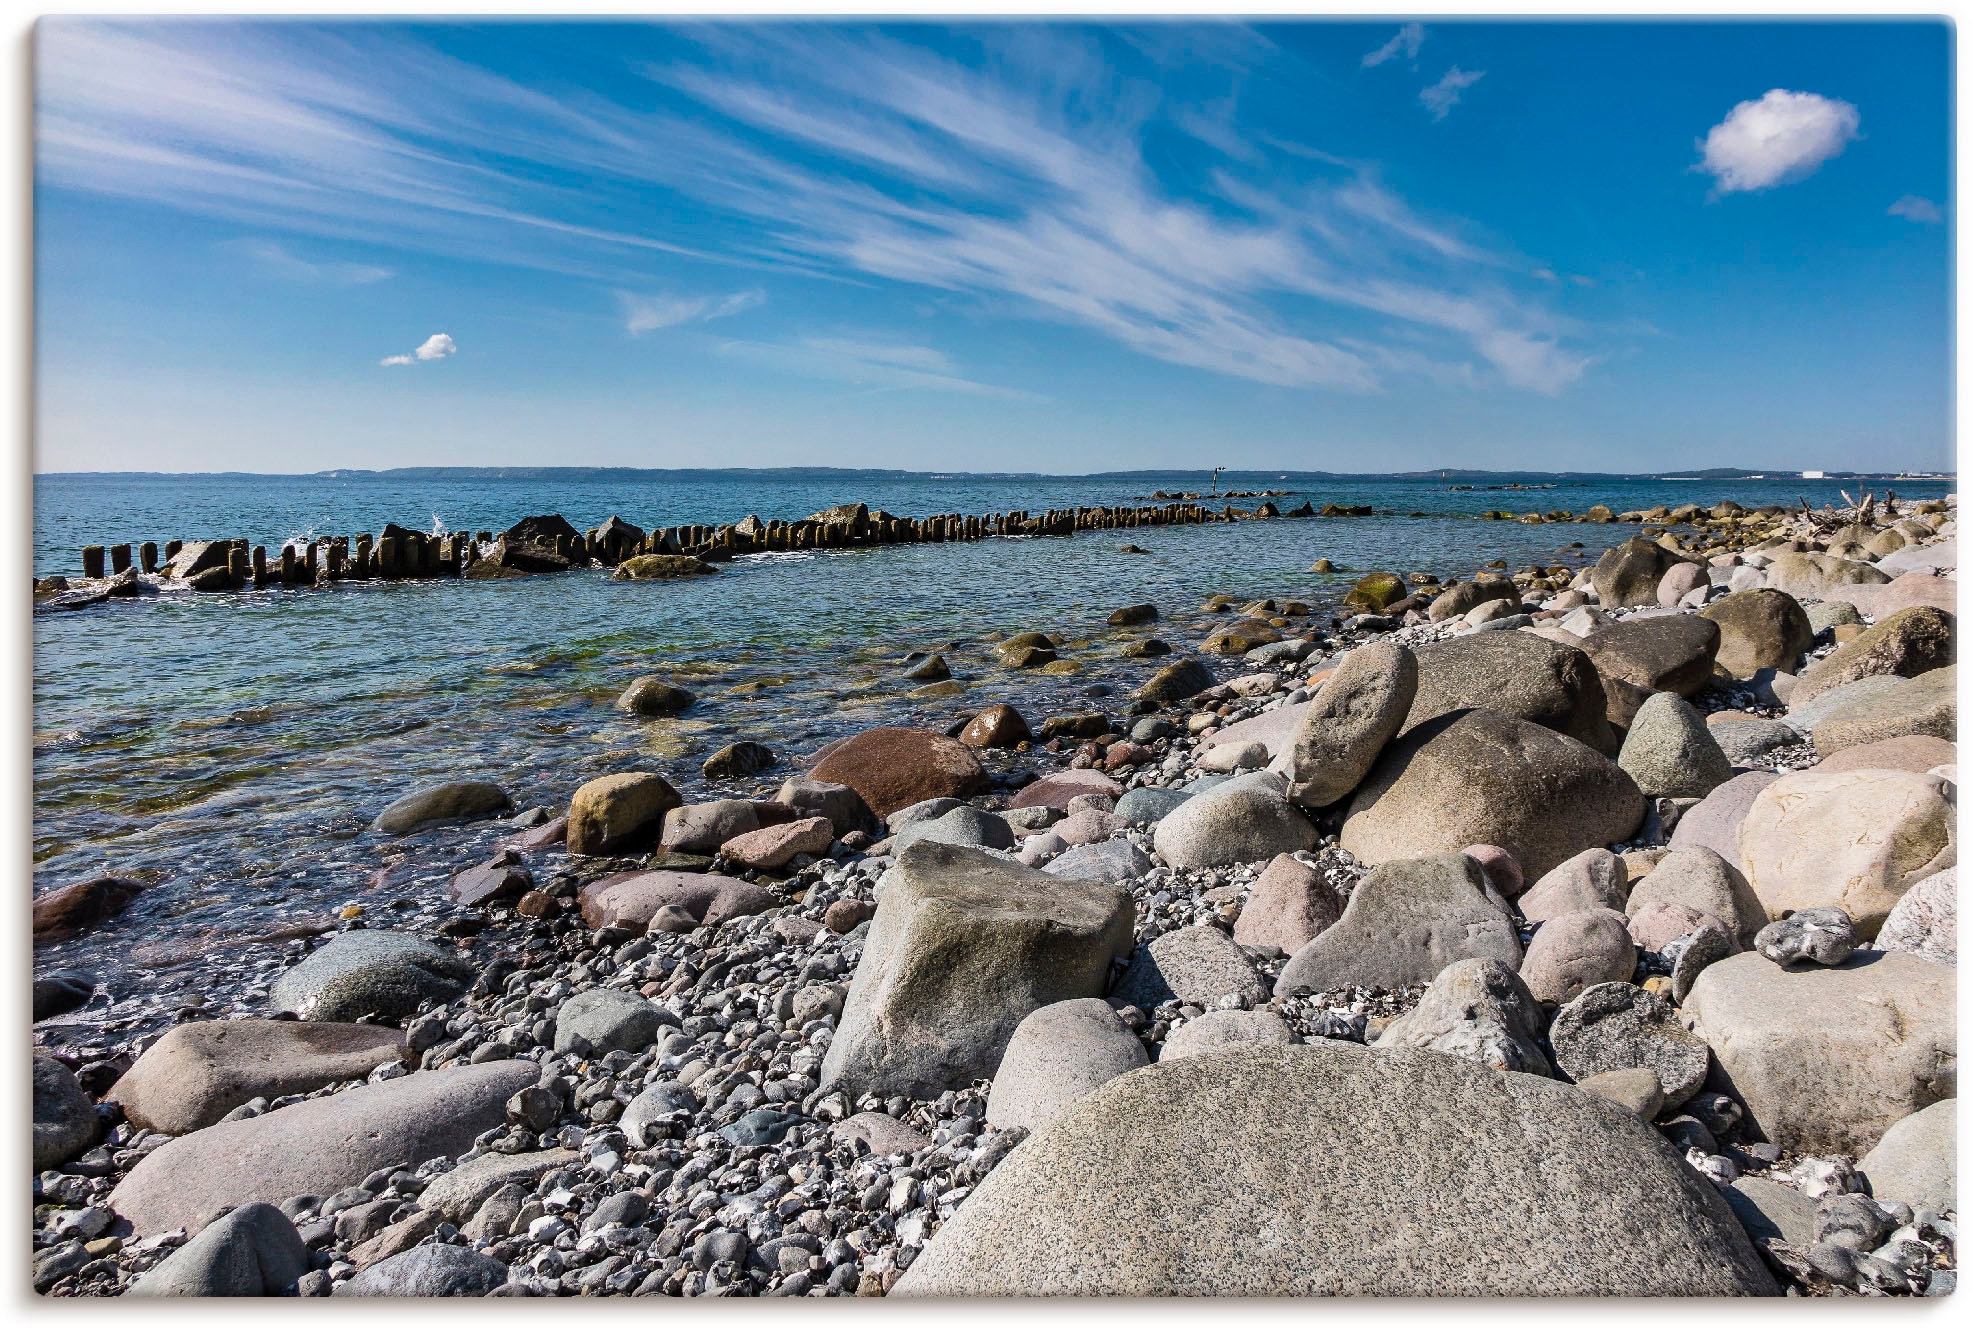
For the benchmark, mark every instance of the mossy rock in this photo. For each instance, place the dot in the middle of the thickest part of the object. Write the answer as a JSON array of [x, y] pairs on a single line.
[[1375, 592]]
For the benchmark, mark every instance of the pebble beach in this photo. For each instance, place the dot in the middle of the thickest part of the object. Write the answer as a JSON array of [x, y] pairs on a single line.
[[1549, 924]]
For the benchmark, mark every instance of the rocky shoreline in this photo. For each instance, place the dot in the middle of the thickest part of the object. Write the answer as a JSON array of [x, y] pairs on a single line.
[[1620, 900]]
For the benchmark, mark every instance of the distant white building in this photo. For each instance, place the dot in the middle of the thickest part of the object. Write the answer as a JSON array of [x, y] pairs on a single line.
[[1814, 474]]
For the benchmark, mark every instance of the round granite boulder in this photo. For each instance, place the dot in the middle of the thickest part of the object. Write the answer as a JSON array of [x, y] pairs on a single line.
[[1477, 777], [1463, 1181]]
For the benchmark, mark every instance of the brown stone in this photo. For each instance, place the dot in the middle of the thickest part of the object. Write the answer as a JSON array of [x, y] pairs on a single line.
[[629, 899], [996, 726], [1290, 905], [773, 846], [62, 913], [892, 768], [1918, 752], [1055, 790], [196, 1073], [619, 813]]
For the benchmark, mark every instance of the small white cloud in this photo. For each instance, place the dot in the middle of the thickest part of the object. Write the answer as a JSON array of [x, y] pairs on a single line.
[[1781, 138], [1912, 208], [1546, 274], [648, 313], [1408, 39], [1441, 96], [437, 346]]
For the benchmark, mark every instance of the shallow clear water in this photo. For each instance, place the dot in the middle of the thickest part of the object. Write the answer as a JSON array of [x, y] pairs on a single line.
[[233, 748]]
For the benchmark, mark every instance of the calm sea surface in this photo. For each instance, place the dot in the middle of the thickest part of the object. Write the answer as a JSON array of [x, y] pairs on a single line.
[[231, 749]]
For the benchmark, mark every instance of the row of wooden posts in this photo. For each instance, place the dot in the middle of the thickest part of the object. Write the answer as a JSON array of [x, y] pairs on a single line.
[[400, 554]]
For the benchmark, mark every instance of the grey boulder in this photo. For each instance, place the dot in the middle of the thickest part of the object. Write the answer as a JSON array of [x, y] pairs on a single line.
[[198, 1072], [607, 1019], [1360, 707], [65, 1120], [1480, 1010], [962, 825], [1058, 1055], [252, 1251], [1149, 804], [1614, 1026], [1916, 1161], [1462, 1180], [964, 946], [1220, 1030], [1403, 924], [429, 1270], [1516, 674], [1476, 777], [1197, 965], [1113, 861], [1670, 752], [318, 1146], [376, 973], [1246, 819], [1924, 922], [1828, 1059], [441, 802], [1824, 936]]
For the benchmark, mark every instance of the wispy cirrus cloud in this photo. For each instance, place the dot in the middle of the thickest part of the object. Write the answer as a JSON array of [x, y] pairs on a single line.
[[878, 365], [1448, 91], [1406, 43], [282, 262], [649, 313], [1912, 208], [1019, 182]]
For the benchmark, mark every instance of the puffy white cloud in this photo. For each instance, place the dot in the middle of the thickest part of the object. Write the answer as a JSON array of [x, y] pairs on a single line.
[[1912, 208], [437, 346], [1441, 96], [1781, 138], [1408, 39]]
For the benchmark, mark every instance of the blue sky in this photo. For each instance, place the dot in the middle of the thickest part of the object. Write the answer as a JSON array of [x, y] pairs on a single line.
[[285, 246]]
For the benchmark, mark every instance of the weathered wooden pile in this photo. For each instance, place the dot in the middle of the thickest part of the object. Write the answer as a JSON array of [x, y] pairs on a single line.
[[549, 543]]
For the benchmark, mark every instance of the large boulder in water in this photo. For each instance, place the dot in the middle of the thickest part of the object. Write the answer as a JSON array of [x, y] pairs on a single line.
[[65, 1120], [1828, 1059], [198, 1072], [1448, 1179], [541, 530], [963, 947], [381, 974], [441, 802], [1517, 674], [620, 813], [1476, 777], [319, 1146], [661, 567], [892, 767]]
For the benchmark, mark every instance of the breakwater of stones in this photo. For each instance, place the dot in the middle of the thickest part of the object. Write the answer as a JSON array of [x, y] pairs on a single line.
[[545, 544]]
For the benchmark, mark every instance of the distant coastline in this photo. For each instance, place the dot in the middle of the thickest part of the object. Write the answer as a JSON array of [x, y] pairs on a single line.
[[1447, 474]]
